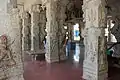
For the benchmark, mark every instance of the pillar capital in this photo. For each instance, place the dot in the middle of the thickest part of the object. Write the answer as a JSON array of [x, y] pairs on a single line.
[[25, 14], [36, 8], [45, 2], [94, 13]]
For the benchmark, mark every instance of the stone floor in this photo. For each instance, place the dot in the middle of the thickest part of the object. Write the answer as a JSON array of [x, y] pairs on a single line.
[[66, 70], [42, 71]]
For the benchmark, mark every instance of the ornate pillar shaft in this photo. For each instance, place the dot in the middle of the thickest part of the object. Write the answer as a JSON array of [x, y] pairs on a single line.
[[26, 32], [11, 64], [95, 61], [52, 32], [15, 71], [61, 31], [42, 27], [34, 30]]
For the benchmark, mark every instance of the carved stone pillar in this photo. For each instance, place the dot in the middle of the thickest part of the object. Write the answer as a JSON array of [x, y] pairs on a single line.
[[34, 28], [52, 32], [15, 71], [42, 27], [26, 32], [95, 61], [61, 31]]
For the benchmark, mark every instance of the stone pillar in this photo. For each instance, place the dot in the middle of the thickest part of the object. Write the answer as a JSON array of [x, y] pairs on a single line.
[[15, 71], [52, 32], [42, 27], [34, 28], [26, 32], [61, 31], [95, 61]]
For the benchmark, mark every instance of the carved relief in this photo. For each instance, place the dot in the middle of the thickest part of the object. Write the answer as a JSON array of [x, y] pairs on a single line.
[[42, 27], [61, 31], [26, 31], [102, 53], [91, 13], [36, 8], [52, 31], [102, 16], [72, 11], [6, 56]]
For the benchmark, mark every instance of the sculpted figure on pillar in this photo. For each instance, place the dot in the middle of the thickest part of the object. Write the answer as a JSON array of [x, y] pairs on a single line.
[[35, 27], [61, 31], [69, 10], [72, 11], [42, 27], [6, 57], [26, 31]]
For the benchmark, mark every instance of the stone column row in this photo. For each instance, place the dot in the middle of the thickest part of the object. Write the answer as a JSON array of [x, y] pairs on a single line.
[[34, 28]]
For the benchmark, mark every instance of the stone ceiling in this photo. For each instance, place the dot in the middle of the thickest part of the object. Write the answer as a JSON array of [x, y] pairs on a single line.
[[114, 7], [113, 1]]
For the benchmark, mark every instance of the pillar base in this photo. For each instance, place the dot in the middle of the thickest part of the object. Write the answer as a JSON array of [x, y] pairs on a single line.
[[55, 59], [63, 57], [91, 72], [19, 77], [49, 60], [90, 76]]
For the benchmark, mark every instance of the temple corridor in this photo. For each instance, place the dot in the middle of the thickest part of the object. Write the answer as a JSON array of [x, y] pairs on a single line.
[[65, 70], [59, 39]]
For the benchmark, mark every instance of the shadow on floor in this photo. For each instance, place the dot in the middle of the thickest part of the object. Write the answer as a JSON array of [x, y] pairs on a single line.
[[114, 73]]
